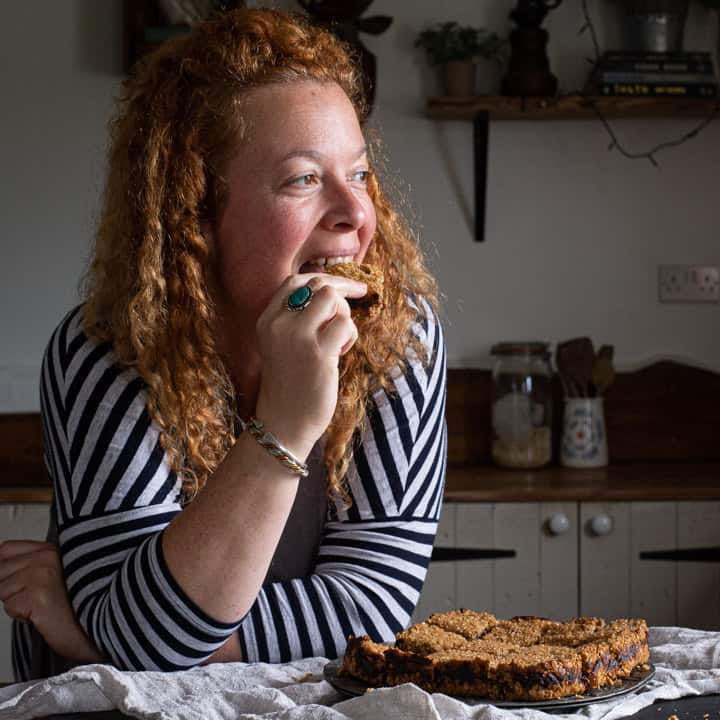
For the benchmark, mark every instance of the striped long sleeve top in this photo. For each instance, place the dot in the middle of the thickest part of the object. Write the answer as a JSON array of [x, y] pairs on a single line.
[[114, 493]]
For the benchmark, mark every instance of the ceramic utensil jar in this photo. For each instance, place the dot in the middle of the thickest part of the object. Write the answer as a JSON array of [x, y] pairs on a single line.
[[522, 404], [584, 440]]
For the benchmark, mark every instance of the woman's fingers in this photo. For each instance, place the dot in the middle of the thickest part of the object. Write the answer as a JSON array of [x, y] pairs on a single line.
[[344, 286], [32, 589], [29, 574], [18, 547], [18, 606], [338, 334], [18, 554], [11, 585]]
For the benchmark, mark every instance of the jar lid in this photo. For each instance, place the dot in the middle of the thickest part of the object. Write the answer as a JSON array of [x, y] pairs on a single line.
[[520, 348]]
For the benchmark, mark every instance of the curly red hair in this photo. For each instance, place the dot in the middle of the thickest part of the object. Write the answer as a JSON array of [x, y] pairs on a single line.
[[146, 291]]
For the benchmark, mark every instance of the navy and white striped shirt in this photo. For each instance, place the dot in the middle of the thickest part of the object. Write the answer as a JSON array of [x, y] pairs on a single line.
[[115, 493]]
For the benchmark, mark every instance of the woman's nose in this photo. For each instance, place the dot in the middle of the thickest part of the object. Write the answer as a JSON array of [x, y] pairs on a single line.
[[346, 211]]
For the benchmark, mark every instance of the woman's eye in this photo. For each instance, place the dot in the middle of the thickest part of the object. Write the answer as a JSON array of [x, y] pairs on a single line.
[[304, 180], [361, 176]]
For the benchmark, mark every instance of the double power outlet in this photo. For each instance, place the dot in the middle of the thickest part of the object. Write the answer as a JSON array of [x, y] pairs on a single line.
[[689, 283]]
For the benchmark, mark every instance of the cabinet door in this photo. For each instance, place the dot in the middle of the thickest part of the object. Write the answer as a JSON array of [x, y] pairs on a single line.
[[605, 559], [540, 580], [614, 580], [18, 522], [559, 561], [653, 583], [542, 577], [698, 582]]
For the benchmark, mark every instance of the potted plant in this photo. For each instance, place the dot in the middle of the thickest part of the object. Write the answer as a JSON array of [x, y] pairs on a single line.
[[454, 48]]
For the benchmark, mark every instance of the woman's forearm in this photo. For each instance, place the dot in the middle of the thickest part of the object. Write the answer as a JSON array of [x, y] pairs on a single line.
[[220, 547]]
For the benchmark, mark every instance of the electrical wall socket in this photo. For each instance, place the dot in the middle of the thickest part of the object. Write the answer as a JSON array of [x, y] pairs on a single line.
[[688, 283]]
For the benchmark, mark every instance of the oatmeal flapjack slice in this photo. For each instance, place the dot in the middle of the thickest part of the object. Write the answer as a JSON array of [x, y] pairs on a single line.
[[573, 632], [365, 659], [402, 666], [503, 671], [523, 630], [461, 672], [627, 640], [425, 638], [468, 623], [538, 672]]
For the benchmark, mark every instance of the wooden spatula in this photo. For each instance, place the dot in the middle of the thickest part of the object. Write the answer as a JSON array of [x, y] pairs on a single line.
[[603, 372], [578, 358]]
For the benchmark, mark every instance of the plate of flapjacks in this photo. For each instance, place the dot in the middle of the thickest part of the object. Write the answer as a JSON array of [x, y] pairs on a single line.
[[524, 661]]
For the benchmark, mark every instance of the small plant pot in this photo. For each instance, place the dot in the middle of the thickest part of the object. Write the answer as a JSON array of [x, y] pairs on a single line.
[[459, 78]]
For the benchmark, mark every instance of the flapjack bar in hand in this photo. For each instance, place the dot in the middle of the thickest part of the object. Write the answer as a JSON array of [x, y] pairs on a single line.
[[370, 304]]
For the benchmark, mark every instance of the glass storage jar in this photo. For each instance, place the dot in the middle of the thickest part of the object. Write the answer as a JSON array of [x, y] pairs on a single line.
[[522, 404]]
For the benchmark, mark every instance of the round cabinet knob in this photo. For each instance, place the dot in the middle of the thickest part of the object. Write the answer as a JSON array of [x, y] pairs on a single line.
[[601, 525], [558, 523]]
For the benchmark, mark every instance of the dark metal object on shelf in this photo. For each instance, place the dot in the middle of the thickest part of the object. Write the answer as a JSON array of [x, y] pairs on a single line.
[[481, 134], [529, 68], [449, 554], [342, 17], [654, 25], [701, 554]]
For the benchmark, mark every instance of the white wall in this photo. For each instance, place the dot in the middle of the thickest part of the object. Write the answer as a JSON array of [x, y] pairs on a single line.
[[574, 233], [60, 66]]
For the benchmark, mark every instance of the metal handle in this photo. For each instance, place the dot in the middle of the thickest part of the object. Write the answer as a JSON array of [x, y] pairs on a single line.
[[601, 525], [558, 523], [700, 554], [448, 554]]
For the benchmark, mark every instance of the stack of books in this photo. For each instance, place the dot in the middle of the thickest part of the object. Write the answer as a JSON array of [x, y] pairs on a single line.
[[653, 74]]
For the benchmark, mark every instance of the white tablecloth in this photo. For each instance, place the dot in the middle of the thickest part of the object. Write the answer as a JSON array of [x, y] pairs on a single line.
[[687, 663]]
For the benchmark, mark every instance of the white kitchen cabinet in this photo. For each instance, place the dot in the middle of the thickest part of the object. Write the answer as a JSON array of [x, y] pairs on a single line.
[[592, 568], [18, 522]]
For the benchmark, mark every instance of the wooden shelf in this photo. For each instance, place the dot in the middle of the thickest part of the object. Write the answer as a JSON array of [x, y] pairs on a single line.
[[621, 482], [568, 107]]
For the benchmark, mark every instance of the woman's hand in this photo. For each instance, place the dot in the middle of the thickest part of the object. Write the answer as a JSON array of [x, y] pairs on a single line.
[[32, 589], [300, 354]]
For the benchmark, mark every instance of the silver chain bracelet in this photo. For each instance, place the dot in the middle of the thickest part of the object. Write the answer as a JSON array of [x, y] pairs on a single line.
[[256, 428]]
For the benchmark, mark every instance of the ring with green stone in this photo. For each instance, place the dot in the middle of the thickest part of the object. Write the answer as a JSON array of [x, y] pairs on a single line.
[[299, 299]]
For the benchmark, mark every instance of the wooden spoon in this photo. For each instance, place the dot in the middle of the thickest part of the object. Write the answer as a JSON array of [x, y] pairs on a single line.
[[563, 372], [578, 357]]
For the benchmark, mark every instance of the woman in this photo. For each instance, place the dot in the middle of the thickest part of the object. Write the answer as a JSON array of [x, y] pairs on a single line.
[[237, 171]]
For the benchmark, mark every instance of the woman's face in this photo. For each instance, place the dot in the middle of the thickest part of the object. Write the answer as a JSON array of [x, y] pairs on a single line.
[[297, 193]]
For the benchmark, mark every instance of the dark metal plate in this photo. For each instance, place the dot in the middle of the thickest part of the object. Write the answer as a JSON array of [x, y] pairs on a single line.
[[640, 676]]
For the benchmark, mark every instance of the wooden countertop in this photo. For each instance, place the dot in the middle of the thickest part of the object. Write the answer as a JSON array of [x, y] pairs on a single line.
[[618, 482], [487, 483], [12, 494]]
